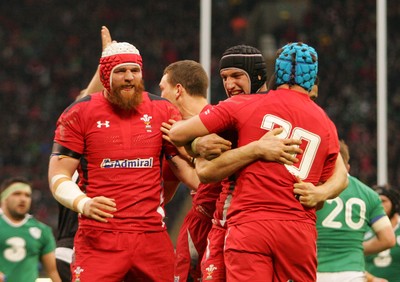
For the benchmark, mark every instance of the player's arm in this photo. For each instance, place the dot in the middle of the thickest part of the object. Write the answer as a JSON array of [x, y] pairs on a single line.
[[95, 84], [384, 237], [61, 169], [267, 148], [180, 166], [2, 277], [372, 278], [209, 146], [49, 263], [170, 181], [185, 131], [310, 195], [184, 171]]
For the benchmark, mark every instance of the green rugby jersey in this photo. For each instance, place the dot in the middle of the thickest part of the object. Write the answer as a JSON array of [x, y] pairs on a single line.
[[21, 247], [385, 264], [341, 225]]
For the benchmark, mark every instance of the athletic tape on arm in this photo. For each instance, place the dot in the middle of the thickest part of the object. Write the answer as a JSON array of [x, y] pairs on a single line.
[[68, 193], [381, 223]]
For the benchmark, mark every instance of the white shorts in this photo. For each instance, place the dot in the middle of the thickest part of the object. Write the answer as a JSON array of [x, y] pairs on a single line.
[[344, 276]]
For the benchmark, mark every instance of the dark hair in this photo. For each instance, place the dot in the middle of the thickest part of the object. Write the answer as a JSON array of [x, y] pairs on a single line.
[[392, 194], [9, 181], [190, 74]]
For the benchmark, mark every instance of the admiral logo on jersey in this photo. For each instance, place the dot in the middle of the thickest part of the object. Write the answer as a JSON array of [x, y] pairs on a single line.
[[137, 163]]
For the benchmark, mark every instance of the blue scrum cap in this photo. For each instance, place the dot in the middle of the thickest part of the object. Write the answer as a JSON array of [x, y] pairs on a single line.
[[297, 64]]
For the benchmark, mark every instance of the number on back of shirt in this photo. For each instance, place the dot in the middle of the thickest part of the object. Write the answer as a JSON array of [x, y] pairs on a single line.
[[349, 209], [310, 143]]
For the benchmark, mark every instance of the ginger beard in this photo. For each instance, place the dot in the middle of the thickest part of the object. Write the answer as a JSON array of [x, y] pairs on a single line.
[[127, 97]]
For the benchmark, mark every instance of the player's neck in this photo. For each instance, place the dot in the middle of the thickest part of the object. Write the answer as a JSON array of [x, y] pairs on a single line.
[[295, 87], [11, 218], [394, 220], [192, 106]]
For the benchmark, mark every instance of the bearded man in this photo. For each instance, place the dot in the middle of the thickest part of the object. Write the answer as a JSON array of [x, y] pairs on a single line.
[[113, 139]]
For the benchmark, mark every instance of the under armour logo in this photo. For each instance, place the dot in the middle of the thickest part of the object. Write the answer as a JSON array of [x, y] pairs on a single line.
[[100, 124]]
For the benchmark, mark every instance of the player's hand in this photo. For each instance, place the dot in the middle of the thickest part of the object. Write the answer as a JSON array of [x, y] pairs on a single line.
[[99, 208], [308, 194], [212, 146], [2, 277], [165, 128], [105, 37], [272, 148], [378, 279]]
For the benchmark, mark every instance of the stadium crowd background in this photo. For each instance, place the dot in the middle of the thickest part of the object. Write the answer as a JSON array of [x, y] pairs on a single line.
[[49, 51]]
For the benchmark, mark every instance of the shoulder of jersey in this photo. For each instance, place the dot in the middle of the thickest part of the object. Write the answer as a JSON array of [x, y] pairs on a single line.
[[154, 97]]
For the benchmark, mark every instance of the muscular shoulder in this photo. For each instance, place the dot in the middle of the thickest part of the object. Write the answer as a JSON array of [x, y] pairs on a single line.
[[33, 222], [85, 99], [154, 97], [161, 105], [357, 187]]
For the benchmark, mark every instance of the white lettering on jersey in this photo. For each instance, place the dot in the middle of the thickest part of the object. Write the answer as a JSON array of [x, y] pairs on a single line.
[[137, 163], [310, 139]]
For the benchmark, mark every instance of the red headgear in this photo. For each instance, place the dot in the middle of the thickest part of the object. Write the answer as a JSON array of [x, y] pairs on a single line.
[[115, 54]]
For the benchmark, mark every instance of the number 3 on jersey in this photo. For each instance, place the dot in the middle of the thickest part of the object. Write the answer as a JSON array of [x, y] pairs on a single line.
[[16, 252], [310, 143]]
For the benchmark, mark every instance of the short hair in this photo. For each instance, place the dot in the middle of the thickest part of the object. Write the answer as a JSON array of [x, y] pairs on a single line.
[[9, 181], [190, 74], [392, 194]]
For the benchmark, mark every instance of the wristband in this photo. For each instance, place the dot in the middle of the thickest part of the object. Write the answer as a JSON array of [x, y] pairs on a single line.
[[193, 145]]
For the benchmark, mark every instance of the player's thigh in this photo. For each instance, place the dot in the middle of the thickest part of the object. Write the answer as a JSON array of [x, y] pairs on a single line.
[[213, 264], [295, 251], [64, 270], [96, 254], [245, 266], [153, 258], [248, 253]]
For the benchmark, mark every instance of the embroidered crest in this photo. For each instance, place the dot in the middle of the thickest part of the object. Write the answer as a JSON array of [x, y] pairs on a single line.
[[147, 119], [210, 269], [78, 272], [35, 232]]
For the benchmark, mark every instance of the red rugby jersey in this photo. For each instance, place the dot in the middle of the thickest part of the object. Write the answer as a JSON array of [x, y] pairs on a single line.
[[121, 157], [264, 190]]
